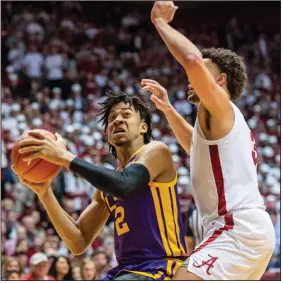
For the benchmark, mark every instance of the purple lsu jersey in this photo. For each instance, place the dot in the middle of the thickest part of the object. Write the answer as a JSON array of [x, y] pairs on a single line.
[[148, 225]]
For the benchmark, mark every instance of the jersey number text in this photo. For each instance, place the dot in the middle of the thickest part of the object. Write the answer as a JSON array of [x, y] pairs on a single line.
[[121, 225]]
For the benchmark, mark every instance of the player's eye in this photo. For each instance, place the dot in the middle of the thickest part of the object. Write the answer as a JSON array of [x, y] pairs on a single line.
[[111, 118], [127, 114]]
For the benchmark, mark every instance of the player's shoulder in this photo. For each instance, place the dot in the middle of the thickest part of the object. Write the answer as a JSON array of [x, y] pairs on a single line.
[[155, 150], [157, 147]]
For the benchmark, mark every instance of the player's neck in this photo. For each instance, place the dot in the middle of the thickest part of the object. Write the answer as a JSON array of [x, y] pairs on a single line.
[[125, 153]]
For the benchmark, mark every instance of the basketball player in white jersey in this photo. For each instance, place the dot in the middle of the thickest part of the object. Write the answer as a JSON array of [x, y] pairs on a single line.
[[238, 233]]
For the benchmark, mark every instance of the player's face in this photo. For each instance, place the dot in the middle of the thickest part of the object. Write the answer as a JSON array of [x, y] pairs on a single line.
[[214, 70], [124, 125]]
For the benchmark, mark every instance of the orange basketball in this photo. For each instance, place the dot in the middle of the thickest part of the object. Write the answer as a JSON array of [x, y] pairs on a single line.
[[39, 170]]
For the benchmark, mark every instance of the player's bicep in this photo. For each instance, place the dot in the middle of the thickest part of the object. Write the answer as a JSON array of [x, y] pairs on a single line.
[[214, 98], [93, 218], [157, 159]]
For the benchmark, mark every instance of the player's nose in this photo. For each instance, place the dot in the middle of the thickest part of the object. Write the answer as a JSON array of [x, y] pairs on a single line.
[[118, 121]]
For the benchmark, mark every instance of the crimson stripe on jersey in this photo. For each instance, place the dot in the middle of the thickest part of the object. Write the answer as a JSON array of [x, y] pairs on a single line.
[[218, 176], [229, 224]]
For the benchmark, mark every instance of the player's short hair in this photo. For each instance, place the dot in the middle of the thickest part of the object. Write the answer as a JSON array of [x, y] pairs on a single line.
[[114, 98], [232, 65]]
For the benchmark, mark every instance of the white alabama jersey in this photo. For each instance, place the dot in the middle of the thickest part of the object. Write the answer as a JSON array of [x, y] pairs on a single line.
[[223, 172]]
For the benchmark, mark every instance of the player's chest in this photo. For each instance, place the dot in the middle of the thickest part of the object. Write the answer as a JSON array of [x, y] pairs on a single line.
[[117, 209], [112, 202]]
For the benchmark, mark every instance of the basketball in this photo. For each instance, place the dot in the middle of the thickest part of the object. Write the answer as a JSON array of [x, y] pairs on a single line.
[[39, 170]]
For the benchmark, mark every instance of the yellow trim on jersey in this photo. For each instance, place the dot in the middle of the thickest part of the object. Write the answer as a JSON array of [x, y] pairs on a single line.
[[169, 273], [168, 222], [169, 267], [102, 195], [169, 184], [155, 276], [160, 221], [166, 206], [136, 152], [177, 266], [174, 259], [175, 216]]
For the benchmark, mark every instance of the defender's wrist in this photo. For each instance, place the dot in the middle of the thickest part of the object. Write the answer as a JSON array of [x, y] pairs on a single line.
[[159, 21], [168, 110]]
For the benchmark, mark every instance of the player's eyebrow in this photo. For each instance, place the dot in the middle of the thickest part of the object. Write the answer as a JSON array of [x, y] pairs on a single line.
[[124, 108]]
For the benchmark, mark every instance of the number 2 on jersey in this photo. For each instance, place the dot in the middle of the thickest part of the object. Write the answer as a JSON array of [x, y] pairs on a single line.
[[121, 225]]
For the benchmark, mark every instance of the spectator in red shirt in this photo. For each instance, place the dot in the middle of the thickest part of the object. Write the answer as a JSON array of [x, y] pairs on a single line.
[[38, 268]]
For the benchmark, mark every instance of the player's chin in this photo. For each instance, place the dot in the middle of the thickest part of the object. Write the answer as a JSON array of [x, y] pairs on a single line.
[[119, 141]]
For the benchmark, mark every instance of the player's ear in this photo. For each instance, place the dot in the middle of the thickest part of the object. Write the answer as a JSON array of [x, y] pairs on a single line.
[[143, 128], [221, 80]]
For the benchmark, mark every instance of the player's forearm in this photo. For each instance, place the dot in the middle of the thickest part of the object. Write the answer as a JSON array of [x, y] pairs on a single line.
[[178, 45], [115, 183], [181, 128], [92, 219], [65, 226]]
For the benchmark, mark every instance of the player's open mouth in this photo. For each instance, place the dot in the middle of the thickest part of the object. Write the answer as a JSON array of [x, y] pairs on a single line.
[[119, 131]]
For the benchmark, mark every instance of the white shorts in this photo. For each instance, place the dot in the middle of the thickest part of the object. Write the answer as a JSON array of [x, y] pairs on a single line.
[[237, 248]]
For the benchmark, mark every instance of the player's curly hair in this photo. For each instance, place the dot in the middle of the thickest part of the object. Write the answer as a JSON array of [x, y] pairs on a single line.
[[231, 64], [114, 98]]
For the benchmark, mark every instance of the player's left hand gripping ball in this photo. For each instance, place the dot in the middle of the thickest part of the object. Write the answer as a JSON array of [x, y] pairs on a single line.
[[41, 146]]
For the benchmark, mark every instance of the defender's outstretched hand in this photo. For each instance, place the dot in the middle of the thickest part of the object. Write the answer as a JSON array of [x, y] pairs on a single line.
[[159, 94], [164, 10]]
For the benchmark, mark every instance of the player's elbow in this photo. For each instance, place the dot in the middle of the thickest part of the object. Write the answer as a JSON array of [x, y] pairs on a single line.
[[193, 60], [78, 249], [77, 252], [76, 243]]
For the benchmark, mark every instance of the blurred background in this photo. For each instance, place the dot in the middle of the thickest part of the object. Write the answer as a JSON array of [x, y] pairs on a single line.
[[59, 59]]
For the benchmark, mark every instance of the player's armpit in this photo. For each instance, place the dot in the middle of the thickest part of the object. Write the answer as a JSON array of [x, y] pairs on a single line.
[[156, 157], [214, 98]]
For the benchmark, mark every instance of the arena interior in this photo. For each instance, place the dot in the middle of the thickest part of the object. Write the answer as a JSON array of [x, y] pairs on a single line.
[[58, 61]]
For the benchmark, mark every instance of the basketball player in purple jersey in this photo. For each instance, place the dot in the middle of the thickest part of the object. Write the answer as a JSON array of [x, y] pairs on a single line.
[[141, 194]]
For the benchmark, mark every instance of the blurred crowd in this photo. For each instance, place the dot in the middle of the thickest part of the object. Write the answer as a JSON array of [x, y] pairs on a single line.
[[57, 65]]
